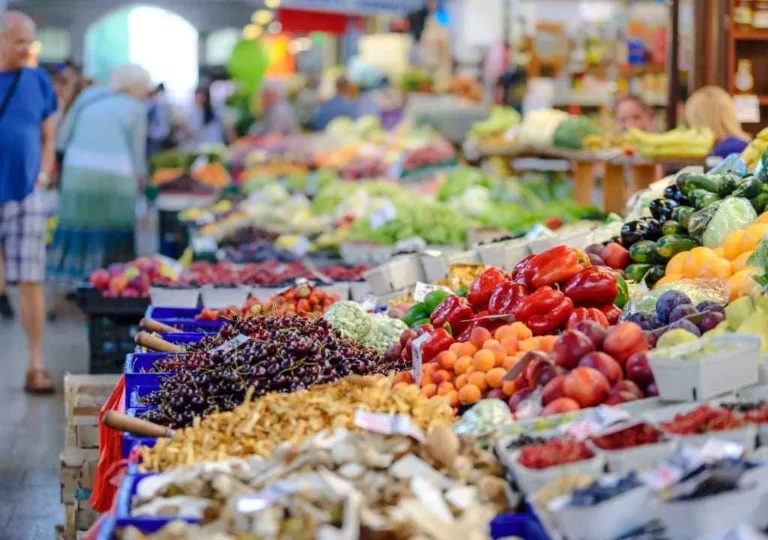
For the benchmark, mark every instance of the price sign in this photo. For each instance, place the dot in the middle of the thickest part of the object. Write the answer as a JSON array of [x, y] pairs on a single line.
[[423, 289], [747, 109], [234, 343], [416, 358]]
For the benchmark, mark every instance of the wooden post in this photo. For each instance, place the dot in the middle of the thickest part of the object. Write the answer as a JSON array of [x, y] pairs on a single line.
[[673, 63], [614, 199], [583, 183], [643, 176]]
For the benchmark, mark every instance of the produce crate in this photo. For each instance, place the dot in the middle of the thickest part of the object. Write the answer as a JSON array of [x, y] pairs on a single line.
[[436, 268], [183, 319], [158, 312], [92, 302], [110, 338], [123, 507], [224, 297], [188, 297], [133, 398], [403, 271], [131, 441], [505, 254], [521, 525], [137, 373]]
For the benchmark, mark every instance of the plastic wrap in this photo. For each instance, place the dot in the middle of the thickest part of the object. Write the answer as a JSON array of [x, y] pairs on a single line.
[[733, 164], [698, 290], [483, 418], [732, 214]]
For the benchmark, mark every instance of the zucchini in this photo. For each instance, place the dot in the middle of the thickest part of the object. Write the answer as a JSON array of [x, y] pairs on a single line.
[[689, 181], [681, 214], [760, 202], [750, 187], [636, 272], [643, 251], [654, 274], [669, 246], [701, 198], [672, 227], [728, 183]]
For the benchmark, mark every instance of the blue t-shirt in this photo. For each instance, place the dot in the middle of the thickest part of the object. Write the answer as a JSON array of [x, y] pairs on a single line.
[[21, 131]]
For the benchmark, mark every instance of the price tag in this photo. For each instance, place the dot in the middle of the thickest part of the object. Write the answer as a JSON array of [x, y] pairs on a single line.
[[747, 109], [388, 424], [423, 289], [717, 449], [539, 231], [416, 358], [670, 471], [204, 244], [234, 343], [385, 213]]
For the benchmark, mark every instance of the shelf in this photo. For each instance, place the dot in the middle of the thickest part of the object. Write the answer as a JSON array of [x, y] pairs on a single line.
[[750, 36], [763, 100]]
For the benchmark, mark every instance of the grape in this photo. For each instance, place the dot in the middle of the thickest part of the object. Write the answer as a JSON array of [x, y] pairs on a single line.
[[646, 321], [669, 301], [710, 321], [681, 312], [704, 307], [686, 325]]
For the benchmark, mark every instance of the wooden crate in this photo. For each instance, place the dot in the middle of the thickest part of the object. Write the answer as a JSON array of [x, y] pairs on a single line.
[[84, 394]]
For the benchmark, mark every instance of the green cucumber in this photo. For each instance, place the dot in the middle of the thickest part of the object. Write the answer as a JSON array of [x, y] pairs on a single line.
[[689, 182], [760, 202], [681, 214], [701, 198], [672, 227], [636, 272], [669, 246], [643, 251], [750, 187]]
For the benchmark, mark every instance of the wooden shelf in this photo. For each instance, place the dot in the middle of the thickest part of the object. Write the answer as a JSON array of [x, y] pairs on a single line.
[[751, 36], [763, 100]]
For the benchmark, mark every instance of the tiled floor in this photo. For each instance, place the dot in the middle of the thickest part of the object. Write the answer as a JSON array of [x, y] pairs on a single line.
[[31, 430]]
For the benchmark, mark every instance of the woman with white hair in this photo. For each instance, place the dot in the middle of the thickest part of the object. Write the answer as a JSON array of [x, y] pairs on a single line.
[[103, 139]]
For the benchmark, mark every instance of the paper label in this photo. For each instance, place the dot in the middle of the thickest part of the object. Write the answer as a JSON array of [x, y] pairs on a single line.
[[423, 289], [717, 449], [601, 418], [539, 231], [234, 343], [416, 358], [388, 424], [670, 471], [747, 109], [385, 213]]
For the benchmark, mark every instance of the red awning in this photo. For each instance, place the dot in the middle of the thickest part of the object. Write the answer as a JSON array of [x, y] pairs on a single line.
[[299, 21]]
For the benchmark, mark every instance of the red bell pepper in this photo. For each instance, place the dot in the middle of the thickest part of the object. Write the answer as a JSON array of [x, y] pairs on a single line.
[[556, 265], [521, 273], [593, 286], [455, 311], [506, 297], [482, 288], [544, 311], [611, 312], [587, 314], [436, 343]]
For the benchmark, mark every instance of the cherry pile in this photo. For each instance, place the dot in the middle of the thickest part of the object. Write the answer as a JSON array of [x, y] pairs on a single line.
[[703, 420], [553, 453], [284, 354], [628, 438]]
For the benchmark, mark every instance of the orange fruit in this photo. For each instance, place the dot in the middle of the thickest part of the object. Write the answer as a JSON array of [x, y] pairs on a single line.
[[510, 344], [453, 398], [444, 388], [505, 331], [762, 218], [721, 268], [446, 359], [720, 252], [426, 379], [441, 376], [530, 344], [752, 237], [470, 394], [731, 245], [460, 381], [495, 376], [499, 352], [675, 264], [479, 335], [508, 387], [740, 262], [491, 343], [429, 390], [477, 379], [484, 360], [430, 367], [404, 376], [466, 349], [509, 362], [547, 343], [462, 364], [697, 262], [455, 348], [521, 331]]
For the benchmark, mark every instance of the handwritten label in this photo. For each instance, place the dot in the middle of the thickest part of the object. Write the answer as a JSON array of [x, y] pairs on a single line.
[[423, 289], [388, 424], [234, 343], [416, 357]]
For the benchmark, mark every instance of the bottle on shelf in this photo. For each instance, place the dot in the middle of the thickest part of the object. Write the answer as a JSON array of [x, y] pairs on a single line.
[[744, 80], [743, 15], [760, 15]]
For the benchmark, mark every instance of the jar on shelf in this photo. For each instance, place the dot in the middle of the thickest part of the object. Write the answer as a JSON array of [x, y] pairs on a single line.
[[744, 81], [760, 15], [743, 15]]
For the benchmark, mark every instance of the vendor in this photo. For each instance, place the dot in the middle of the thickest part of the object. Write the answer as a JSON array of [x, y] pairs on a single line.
[[341, 104], [712, 107], [633, 112]]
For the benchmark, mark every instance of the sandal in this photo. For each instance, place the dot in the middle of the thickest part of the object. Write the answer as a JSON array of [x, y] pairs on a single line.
[[39, 382]]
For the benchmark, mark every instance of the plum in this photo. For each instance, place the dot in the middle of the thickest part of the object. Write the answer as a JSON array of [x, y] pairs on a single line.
[[646, 321], [707, 306], [597, 249], [710, 320], [596, 260], [680, 312], [669, 301], [686, 325], [596, 332]]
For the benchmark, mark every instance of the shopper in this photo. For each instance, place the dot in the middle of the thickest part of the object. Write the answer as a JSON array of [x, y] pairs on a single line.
[[204, 127], [27, 155], [633, 112], [68, 81], [104, 143], [339, 105], [279, 118], [160, 121], [712, 107]]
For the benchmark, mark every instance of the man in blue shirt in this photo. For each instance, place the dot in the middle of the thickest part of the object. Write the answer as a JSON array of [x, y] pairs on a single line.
[[338, 105], [27, 155]]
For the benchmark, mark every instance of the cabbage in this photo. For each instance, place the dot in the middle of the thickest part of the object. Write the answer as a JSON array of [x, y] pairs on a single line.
[[732, 214], [474, 202]]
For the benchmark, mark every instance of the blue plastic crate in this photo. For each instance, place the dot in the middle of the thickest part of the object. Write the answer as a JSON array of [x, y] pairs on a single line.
[[525, 526], [192, 325], [157, 313], [180, 338], [137, 373], [123, 516], [134, 396], [131, 441]]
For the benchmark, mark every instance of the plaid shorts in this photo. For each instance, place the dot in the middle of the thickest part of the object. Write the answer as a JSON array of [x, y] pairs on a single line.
[[22, 240]]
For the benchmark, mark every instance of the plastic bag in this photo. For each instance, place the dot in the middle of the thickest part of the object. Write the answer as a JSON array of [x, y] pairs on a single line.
[[483, 418], [110, 452], [733, 164], [698, 290], [732, 214]]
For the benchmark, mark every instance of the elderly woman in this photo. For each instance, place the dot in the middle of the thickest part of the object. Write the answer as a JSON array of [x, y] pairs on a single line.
[[104, 139]]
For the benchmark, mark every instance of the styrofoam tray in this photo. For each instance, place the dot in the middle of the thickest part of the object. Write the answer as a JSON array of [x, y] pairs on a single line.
[[608, 520], [401, 272], [224, 297], [579, 237], [437, 267], [637, 458], [506, 456], [745, 436], [702, 378], [688, 520], [505, 254], [355, 253], [531, 480], [174, 298]]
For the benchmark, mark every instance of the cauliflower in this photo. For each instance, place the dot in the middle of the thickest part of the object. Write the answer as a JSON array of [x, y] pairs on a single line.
[[385, 333], [349, 319]]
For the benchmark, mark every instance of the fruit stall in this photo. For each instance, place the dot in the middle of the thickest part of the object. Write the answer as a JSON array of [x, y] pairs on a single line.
[[475, 356]]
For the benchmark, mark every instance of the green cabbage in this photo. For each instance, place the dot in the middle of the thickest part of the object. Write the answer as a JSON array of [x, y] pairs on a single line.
[[350, 320]]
